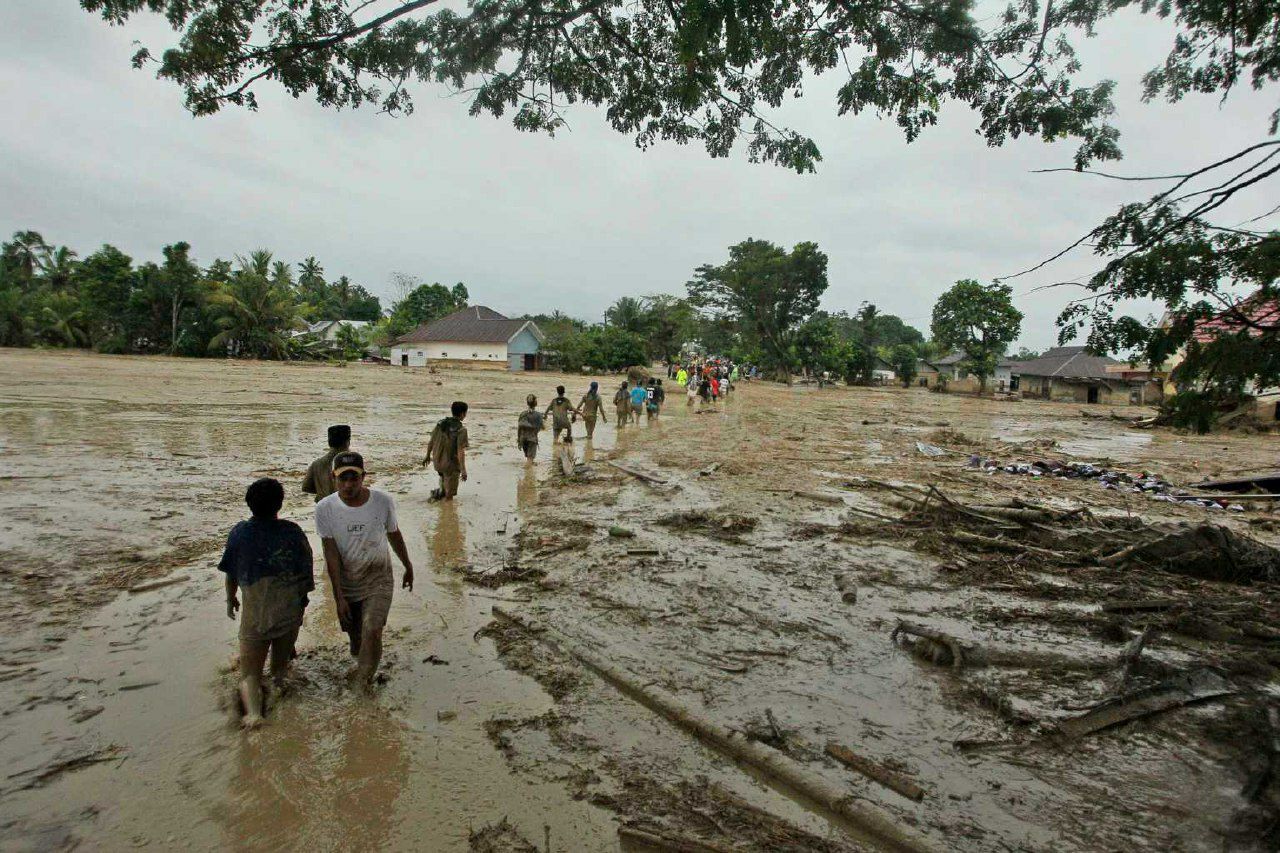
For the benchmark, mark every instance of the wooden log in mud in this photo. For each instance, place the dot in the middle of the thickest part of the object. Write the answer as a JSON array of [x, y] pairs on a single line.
[[666, 842], [861, 819], [639, 475], [875, 771]]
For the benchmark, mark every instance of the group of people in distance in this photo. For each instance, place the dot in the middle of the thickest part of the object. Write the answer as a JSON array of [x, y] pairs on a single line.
[[709, 381]]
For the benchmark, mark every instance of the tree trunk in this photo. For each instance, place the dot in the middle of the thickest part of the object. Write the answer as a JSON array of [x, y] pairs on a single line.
[[173, 326]]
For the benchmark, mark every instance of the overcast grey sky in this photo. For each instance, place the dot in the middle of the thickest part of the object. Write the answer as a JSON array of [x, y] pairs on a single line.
[[95, 152]]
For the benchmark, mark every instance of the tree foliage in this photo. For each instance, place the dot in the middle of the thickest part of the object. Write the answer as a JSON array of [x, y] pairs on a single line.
[[978, 320], [49, 296], [766, 290], [903, 359]]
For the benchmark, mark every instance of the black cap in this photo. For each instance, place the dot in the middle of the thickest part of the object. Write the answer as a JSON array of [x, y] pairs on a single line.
[[348, 461], [339, 435]]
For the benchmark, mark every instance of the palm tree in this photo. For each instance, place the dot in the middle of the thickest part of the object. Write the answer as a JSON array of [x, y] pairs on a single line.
[[255, 315], [25, 253], [62, 320], [628, 314], [58, 267]]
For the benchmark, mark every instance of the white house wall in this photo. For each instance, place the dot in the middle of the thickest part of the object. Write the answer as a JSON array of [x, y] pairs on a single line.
[[417, 355], [463, 351]]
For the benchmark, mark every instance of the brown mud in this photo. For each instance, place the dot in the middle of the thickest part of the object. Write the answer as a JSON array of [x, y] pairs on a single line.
[[761, 584]]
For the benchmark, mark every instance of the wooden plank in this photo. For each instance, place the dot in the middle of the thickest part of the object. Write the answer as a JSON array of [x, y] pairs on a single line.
[[1195, 686]]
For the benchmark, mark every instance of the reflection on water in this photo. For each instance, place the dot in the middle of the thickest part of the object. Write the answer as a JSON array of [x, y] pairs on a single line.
[[329, 782], [527, 490], [449, 542]]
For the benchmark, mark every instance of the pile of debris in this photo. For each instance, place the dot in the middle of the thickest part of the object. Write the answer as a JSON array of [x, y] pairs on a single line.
[[1078, 538], [1145, 483]]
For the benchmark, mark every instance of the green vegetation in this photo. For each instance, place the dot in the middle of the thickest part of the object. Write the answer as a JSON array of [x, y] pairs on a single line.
[[248, 308], [979, 321]]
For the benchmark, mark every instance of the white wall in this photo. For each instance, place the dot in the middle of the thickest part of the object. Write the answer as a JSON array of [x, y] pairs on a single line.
[[417, 355], [461, 350]]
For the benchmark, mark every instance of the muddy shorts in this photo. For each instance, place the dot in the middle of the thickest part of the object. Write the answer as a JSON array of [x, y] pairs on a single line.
[[637, 408], [449, 484], [271, 608], [367, 614]]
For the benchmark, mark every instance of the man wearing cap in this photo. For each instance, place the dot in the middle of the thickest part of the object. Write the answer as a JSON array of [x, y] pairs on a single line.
[[356, 524], [319, 479]]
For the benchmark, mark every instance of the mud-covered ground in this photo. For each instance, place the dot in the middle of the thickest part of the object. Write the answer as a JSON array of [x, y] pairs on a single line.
[[759, 586]]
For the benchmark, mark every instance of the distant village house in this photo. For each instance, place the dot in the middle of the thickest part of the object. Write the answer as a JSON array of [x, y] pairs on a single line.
[[476, 336], [1072, 374]]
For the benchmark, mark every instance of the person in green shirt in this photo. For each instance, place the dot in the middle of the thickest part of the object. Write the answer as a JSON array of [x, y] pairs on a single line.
[[319, 478], [561, 411], [591, 407]]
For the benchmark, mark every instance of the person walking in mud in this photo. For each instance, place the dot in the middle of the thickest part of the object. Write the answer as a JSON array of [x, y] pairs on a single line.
[[447, 452], [591, 407], [659, 398], [529, 425], [358, 528], [561, 412], [622, 405], [319, 478], [639, 398], [268, 560]]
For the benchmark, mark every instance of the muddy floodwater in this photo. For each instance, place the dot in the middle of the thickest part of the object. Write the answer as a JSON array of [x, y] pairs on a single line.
[[750, 562]]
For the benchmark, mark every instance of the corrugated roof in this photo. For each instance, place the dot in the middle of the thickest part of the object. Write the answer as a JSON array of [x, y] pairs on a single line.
[[474, 324], [1066, 363], [1255, 309]]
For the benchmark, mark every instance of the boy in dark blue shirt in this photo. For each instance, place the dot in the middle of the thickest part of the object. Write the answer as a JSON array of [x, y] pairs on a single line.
[[269, 560]]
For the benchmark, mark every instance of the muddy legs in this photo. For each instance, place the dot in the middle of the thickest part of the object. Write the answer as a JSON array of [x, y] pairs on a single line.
[[370, 655], [252, 656]]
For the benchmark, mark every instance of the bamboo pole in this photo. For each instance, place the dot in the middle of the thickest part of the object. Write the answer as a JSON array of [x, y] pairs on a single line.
[[863, 820]]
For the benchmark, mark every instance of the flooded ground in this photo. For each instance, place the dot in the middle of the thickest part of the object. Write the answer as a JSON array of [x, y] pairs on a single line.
[[731, 592]]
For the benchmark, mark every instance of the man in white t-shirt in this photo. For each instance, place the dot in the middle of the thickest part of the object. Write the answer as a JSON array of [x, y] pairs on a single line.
[[356, 525]]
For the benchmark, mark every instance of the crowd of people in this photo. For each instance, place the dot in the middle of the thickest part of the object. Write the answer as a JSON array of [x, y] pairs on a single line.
[[267, 561]]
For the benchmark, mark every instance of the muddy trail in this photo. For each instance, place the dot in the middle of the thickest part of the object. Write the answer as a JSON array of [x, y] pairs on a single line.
[[792, 572]]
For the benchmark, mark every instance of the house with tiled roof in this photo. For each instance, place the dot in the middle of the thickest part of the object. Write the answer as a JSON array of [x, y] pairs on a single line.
[[1073, 374], [951, 370], [474, 336]]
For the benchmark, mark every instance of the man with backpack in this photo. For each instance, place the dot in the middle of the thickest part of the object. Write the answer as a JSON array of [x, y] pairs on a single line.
[[447, 452]]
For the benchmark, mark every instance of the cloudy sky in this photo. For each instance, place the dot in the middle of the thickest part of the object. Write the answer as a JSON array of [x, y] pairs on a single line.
[[94, 152]]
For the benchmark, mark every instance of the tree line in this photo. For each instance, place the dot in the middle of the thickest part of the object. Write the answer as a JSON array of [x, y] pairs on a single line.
[[249, 306]]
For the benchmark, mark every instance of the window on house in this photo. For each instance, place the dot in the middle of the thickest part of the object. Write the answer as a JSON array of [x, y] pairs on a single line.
[[419, 353]]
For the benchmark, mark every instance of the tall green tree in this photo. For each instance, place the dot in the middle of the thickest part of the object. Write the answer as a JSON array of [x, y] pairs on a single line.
[[179, 284], [628, 314], [980, 321], [766, 290], [424, 303], [255, 311], [105, 282], [903, 358], [24, 256], [670, 323]]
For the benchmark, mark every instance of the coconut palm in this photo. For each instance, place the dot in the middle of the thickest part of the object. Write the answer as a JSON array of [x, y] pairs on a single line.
[[25, 254], [63, 320], [254, 315], [627, 314], [58, 267]]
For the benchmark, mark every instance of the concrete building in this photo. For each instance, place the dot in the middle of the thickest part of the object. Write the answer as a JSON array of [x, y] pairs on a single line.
[[1071, 374], [475, 336], [951, 370]]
